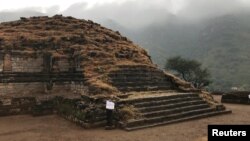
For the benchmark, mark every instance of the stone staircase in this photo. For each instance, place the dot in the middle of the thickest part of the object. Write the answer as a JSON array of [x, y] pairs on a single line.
[[140, 78], [166, 109]]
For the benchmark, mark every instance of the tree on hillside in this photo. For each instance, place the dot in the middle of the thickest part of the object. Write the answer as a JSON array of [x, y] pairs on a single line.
[[189, 70]]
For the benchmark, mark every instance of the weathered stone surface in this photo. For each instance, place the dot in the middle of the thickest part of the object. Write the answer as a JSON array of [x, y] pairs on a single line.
[[241, 97], [7, 66], [71, 66], [21, 89], [1, 63], [140, 78], [24, 64]]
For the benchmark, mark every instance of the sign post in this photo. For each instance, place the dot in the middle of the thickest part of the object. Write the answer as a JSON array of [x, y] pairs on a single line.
[[249, 99], [110, 106]]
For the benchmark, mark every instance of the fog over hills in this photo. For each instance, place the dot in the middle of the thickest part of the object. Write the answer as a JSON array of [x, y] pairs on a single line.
[[214, 32]]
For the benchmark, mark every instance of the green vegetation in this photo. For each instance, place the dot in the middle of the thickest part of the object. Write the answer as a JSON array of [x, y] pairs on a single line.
[[189, 70], [221, 44]]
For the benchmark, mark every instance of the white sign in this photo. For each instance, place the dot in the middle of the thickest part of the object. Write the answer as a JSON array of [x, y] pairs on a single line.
[[249, 96], [110, 105]]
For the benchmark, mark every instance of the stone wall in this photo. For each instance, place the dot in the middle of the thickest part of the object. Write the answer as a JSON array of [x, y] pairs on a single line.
[[36, 88], [21, 89], [68, 87], [239, 97], [13, 106], [65, 64], [19, 61], [140, 78], [1, 63], [61, 65], [21, 64], [7, 63], [31, 63]]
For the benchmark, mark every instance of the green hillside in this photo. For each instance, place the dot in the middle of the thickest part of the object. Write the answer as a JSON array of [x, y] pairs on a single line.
[[225, 49], [221, 44]]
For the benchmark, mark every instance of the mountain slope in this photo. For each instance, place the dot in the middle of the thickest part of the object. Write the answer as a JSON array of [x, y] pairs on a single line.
[[224, 48], [221, 44]]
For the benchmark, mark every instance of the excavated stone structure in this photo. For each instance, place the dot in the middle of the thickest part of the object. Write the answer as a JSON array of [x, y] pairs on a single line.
[[238, 97], [70, 67]]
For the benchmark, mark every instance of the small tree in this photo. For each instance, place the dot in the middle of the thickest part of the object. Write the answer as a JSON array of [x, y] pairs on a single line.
[[189, 70]]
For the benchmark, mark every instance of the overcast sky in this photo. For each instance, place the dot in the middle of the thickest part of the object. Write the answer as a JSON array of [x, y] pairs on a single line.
[[44, 4], [127, 12]]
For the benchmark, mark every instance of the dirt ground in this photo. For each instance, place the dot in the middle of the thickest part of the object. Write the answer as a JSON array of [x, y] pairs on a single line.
[[55, 128]]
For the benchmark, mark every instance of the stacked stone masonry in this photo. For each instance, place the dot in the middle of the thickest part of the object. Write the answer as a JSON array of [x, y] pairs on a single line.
[[20, 64], [45, 64], [21, 88], [1, 63], [140, 78], [29, 73], [7, 63], [65, 87], [62, 65]]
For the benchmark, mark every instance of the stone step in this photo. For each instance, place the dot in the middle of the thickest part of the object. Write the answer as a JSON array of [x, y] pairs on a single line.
[[143, 121], [134, 74], [157, 98], [141, 83], [137, 71], [141, 69], [163, 102], [197, 116], [170, 106], [174, 110], [138, 78], [144, 88]]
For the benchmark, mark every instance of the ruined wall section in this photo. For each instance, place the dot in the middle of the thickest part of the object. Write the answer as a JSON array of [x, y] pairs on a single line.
[[7, 63], [62, 65], [66, 87], [21, 64], [37, 88], [1, 62], [37, 63], [66, 64], [21, 89]]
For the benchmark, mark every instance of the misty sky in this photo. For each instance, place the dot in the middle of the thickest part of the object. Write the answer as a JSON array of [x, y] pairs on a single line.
[[133, 13]]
